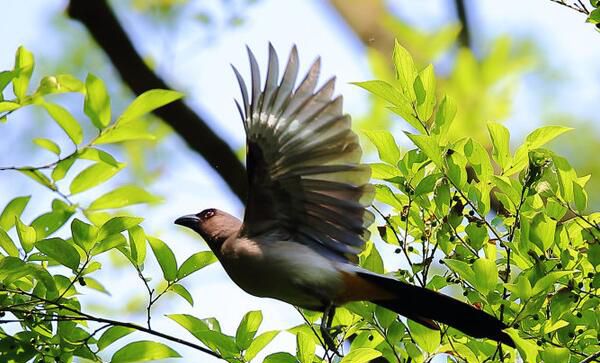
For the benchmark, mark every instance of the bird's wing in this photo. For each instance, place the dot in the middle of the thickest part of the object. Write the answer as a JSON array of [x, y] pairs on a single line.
[[303, 161]]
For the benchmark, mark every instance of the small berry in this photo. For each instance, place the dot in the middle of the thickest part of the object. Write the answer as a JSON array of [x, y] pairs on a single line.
[[452, 238], [579, 315], [81, 281], [410, 248], [580, 331], [471, 213], [590, 275], [370, 337], [397, 250], [580, 285], [456, 198]]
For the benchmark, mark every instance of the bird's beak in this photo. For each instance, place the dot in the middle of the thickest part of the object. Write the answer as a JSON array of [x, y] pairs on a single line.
[[190, 221]]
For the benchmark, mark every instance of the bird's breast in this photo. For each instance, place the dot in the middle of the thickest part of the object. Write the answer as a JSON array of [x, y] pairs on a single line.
[[284, 270]]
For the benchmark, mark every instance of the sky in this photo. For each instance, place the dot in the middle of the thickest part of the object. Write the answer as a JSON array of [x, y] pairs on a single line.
[[201, 67]]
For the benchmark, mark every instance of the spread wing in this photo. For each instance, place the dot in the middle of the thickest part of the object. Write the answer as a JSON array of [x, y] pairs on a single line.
[[303, 161]]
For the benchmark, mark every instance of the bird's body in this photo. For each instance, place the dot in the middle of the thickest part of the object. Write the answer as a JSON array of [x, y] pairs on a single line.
[[306, 216]]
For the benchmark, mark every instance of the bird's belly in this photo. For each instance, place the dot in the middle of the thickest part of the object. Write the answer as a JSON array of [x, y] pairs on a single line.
[[290, 272]]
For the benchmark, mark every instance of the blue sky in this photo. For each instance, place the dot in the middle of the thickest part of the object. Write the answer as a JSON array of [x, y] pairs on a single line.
[[188, 185]]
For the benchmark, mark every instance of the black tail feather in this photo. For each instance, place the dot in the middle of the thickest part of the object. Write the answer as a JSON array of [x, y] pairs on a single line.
[[424, 306]]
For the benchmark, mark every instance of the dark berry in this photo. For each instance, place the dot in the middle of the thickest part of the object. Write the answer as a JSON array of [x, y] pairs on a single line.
[[452, 238], [397, 250], [410, 248], [370, 337], [471, 213], [81, 281]]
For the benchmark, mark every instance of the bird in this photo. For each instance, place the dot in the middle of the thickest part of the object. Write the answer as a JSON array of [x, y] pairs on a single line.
[[307, 217]]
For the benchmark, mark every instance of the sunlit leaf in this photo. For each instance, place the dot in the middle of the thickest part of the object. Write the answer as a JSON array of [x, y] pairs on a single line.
[[113, 334], [48, 145], [92, 176], [148, 102], [361, 355], [26, 234], [259, 343], [165, 257], [84, 235], [97, 102], [183, 292], [22, 72], [137, 244], [117, 225], [122, 197], [195, 262], [65, 120], [59, 250], [426, 338], [247, 329], [142, 351], [13, 209], [7, 244], [385, 144]]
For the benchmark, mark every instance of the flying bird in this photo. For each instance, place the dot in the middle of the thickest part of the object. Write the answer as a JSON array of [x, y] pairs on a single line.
[[306, 216]]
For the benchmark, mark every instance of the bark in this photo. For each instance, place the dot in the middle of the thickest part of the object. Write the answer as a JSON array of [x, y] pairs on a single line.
[[103, 25]]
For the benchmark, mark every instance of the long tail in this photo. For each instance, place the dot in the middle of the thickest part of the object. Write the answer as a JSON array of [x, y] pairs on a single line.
[[426, 306]]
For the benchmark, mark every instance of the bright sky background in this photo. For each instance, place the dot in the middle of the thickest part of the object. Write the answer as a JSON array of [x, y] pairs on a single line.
[[204, 72]]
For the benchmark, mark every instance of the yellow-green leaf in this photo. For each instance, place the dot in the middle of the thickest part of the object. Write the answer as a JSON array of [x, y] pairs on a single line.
[[65, 120], [97, 102], [122, 197]]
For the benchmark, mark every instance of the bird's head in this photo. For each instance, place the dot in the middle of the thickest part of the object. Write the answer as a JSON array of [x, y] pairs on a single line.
[[214, 225]]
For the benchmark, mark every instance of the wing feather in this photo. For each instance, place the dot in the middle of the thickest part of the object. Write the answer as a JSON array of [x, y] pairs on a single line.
[[303, 160]]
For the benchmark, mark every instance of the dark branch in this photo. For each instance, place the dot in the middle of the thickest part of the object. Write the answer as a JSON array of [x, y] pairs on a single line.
[[105, 28], [465, 34]]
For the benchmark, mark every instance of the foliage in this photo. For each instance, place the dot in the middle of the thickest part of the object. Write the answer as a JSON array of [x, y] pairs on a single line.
[[532, 260]]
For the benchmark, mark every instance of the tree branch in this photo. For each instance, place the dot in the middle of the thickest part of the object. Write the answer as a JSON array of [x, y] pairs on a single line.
[[106, 30], [465, 34]]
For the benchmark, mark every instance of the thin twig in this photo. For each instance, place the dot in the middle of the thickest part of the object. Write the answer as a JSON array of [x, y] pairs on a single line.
[[85, 316]]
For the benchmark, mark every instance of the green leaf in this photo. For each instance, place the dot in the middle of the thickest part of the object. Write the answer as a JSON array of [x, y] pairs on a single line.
[[13, 209], [183, 292], [407, 112], [22, 72], [527, 349], [594, 254], [444, 116], [122, 197], [383, 171], [59, 250], [580, 196], [6, 106], [485, 274], [7, 244], [98, 155], [61, 169], [428, 146], [92, 176], [39, 177], [5, 78], [195, 262], [47, 144], [117, 225], [555, 355], [59, 84], [383, 90], [110, 242], [142, 351], [246, 330], [425, 83], [385, 144], [84, 235], [546, 282], [280, 357], [97, 102], [148, 102], [50, 222], [305, 347], [127, 132], [594, 16], [27, 235], [259, 343], [113, 334], [361, 355], [428, 339], [165, 257], [65, 120], [215, 340], [542, 231], [405, 71], [427, 184], [137, 245], [462, 269], [543, 135], [500, 140]]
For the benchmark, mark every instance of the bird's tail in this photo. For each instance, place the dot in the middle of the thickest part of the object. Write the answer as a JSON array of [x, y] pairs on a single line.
[[426, 306]]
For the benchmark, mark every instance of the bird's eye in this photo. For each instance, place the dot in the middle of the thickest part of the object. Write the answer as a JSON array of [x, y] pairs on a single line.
[[206, 214]]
